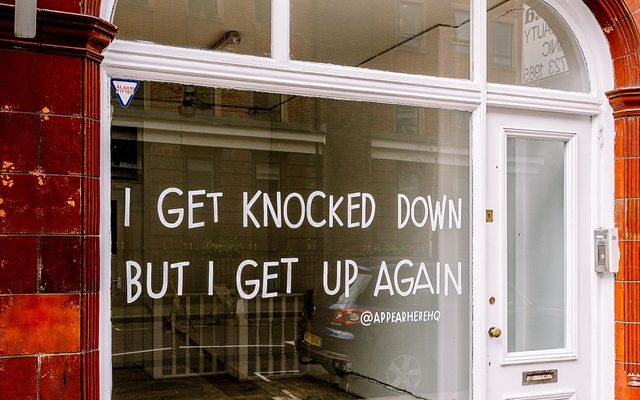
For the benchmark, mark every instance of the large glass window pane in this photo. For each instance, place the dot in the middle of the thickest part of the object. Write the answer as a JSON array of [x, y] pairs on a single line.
[[531, 45], [235, 26], [414, 36], [536, 244], [267, 244]]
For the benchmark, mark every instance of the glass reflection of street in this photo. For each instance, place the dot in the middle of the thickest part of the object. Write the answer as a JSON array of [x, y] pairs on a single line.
[[134, 382], [251, 231]]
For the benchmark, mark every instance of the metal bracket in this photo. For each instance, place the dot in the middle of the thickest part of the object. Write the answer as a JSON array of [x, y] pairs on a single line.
[[25, 19]]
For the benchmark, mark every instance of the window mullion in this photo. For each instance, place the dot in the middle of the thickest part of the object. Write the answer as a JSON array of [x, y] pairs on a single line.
[[479, 42], [280, 28], [478, 189]]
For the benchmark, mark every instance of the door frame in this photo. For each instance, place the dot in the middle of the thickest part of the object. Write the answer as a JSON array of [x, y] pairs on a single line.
[[578, 224], [144, 61]]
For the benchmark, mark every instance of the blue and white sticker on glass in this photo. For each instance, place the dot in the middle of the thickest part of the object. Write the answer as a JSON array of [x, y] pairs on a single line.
[[125, 90]]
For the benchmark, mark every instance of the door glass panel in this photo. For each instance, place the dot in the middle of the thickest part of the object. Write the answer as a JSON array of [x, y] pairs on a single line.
[[234, 26], [536, 244], [239, 221], [428, 37], [531, 45]]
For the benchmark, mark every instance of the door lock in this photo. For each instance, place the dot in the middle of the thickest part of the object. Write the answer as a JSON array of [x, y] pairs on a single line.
[[495, 332], [118, 282]]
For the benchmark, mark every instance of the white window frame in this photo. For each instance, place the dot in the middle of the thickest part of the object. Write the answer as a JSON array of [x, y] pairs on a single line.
[[279, 74]]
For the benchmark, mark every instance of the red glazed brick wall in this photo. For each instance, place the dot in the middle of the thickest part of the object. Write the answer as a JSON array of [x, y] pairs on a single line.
[[627, 215], [620, 19], [49, 203]]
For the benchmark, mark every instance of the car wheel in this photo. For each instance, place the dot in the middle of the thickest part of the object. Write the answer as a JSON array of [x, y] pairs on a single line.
[[404, 372]]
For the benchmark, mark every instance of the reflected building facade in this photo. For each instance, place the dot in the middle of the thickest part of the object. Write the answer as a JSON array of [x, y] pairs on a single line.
[[312, 180]]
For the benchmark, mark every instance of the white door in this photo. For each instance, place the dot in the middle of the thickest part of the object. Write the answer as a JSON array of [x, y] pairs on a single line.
[[538, 256]]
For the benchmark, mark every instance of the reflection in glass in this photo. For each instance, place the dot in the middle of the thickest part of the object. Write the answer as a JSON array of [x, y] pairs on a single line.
[[503, 44], [262, 308], [536, 244], [234, 26], [426, 37], [531, 45]]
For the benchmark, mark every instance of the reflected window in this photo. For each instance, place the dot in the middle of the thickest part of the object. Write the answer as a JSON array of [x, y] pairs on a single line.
[[203, 8], [124, 153], [408, 183], [531, 45], [410, 16], [407, 120], [267, 106], [502, 44], [462, 22], [268, 177], [268, 172], [253, 249]]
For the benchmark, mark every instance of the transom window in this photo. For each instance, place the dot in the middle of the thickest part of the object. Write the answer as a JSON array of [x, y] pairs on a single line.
[[528, 42]]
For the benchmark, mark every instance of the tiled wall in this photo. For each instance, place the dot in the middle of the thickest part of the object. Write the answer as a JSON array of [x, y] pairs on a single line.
[[626, 103], [49, 205], [619, 19]]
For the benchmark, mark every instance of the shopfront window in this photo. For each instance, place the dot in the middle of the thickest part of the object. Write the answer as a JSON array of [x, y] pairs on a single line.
[[425, 37], [293, 221], [234, 26], [274, 246]]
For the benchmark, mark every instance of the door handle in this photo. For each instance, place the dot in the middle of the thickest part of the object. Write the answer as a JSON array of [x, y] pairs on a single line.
[[495, 332]]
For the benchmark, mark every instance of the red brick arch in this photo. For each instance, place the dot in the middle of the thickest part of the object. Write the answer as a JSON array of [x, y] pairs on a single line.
[[49, 165]]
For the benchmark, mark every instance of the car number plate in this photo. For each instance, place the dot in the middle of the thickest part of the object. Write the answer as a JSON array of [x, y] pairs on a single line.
[[312, 339]]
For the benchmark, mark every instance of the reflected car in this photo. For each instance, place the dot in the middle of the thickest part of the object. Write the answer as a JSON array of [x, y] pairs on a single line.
[[397, 356]]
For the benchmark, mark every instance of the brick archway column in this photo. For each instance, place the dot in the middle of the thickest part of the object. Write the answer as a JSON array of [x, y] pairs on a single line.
[[626, 105], [49, 202], [619, 20]]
